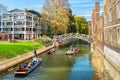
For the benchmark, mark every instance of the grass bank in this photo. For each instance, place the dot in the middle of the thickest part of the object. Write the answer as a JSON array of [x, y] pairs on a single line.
[[10, 50]]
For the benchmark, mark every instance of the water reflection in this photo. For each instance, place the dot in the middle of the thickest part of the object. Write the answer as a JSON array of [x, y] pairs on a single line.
[[82, 69], [83, 66], [98, 65], [110, 73], [103, 69]]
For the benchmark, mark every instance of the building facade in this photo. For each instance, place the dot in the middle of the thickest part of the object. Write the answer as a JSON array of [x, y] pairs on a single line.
[[90, 27], [97, 28], [21, 24], [112, 31]]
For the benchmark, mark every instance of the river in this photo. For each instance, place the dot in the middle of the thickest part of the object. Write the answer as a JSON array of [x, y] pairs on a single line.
[[82, 66]]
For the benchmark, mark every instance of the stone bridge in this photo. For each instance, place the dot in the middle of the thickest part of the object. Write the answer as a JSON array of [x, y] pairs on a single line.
[[87, 38]]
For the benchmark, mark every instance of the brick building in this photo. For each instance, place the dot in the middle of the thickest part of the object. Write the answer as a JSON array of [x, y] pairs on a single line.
[[112, 30], [4, 36], [97, 27], [90, 27]]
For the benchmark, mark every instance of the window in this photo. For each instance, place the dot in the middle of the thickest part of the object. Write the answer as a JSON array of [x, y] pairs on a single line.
[[118, 9], [118, 35], [6, 18], [9, 23], [28, 23], [4, 23], [110, 35], [35, 19], [18, 23], [28, 18], [17, 29], [105, 19], [105, 35], [18, 17], [110, 14]]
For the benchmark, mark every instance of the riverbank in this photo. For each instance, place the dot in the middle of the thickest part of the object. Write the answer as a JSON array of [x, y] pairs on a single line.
[[14, 61]]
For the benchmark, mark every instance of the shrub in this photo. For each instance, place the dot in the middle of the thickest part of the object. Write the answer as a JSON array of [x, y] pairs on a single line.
[[44, 40]]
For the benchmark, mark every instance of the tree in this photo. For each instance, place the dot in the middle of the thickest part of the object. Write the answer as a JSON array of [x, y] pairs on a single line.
[[57, 14], [81, 24], [72, 25], [45, 25]]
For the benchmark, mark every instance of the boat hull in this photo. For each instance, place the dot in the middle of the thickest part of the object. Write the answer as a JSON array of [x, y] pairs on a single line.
[[72, 53], [26, 71], [51, 51]]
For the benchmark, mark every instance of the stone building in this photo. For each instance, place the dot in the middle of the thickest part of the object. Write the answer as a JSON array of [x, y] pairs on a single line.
[[20, 24], [97, 28], [90, 27], [112, 31]]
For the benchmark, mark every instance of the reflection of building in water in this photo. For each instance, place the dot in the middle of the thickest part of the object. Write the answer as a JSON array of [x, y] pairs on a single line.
[[98, 64], [103, 69], [110, 73]]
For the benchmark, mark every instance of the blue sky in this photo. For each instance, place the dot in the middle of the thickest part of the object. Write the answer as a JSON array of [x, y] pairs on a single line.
[[79, 7]]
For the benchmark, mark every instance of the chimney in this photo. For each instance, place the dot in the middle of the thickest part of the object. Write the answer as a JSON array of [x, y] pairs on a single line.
[[97, 10]]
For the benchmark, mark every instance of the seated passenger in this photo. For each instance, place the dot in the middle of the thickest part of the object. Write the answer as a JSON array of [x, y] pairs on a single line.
[[20, 66], [29, 64], [73, 51], [25, 65]]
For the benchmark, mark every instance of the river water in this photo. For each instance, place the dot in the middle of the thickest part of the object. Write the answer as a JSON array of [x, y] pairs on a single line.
[[82, 66]]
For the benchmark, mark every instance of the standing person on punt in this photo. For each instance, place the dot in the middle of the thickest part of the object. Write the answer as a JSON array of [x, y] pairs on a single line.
[[35, 53], [35, 57]]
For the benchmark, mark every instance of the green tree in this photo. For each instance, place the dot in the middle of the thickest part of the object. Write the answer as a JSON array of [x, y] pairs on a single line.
[[71, 25], [81, 25], [57, 14]]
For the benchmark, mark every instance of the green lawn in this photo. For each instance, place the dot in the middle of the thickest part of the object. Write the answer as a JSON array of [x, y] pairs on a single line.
[[10, 50]]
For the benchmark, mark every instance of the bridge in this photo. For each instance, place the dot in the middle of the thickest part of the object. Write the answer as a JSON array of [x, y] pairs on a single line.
[[87, 38]]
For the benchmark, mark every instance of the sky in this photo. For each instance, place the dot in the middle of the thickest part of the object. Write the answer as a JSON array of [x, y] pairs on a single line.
[[79, 7]]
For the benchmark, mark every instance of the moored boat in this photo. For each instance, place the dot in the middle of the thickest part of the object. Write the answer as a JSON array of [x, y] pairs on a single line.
[[28, 67], [51, 51], [72, 51]]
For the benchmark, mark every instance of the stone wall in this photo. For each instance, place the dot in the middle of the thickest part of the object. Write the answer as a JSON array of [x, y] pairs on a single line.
[[63, 42], [112, 56]]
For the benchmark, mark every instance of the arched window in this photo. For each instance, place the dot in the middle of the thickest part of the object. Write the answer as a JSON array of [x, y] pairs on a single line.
[[118, 9], [110, 34], [110, 14]]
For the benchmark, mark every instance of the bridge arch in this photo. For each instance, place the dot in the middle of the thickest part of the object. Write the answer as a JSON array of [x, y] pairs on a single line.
[[84, 37]]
